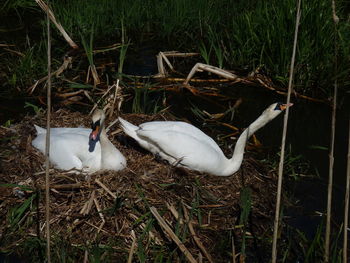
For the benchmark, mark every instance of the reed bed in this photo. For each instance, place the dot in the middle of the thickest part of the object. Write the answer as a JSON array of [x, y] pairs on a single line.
[[242, 35], [95, 216]]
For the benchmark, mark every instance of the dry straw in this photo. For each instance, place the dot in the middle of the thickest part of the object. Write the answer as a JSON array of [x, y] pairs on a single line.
[[285, 124], [331, 154], [346, 209], [47, 143]]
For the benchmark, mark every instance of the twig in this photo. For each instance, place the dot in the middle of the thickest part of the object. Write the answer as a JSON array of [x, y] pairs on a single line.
[[96, 104], [195, 237], [86, 256], [58, 25], [99, 228], [88, 205], [98, 208], [47, 142], [163, 56], [66, 63], [70, 94], [346, 209], [64, 186], [199, 67], [111, 110], [233, 250], [105, 188], [331, 153], [150, 233], [133, 245], [283, 144], [171, 233], [174, 213]]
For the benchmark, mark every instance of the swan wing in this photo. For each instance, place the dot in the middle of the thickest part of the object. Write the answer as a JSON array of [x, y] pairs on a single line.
[[193, 152], [180, 127], [54, 131], [69, 150], [131, 130]]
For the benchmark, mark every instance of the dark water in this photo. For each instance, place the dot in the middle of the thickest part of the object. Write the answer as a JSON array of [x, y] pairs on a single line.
[[12, 109], [308, 135], [4, 258]]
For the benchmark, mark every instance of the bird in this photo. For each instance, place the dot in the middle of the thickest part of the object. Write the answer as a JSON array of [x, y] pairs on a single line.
[[87, 150], [184, 145]]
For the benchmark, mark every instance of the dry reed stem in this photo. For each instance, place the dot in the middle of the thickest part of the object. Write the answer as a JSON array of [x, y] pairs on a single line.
[[166, 60], [195, 237], [99, 100], [99, 210], [331, 153], [150, 233], [346, 208], [105, 188], [112, 105], [133, 245], [233, 250], [86, 257], [174, 212], [251, 80], [283, 143], [95, 77], [163, 56], [199, 67], [66, 63], [47, 142], [58, 25], [171, 233]]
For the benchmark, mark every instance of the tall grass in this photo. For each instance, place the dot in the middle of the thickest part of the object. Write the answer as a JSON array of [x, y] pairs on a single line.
[[245, 204], [239, 35], [20, 69], [146, 100], [17, 4], [233, 35]]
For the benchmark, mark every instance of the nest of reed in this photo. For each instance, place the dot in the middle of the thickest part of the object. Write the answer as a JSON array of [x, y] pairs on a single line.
[[116, 209]]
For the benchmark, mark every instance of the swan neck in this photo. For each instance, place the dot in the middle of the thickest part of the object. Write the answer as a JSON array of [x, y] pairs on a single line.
[[103, 137], [235, 162]]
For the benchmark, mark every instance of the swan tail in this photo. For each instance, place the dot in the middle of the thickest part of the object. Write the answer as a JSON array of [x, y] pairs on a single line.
[[129, 128], [39, 130]]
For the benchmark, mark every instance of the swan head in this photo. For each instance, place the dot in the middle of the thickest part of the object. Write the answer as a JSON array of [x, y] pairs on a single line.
[[98, 118], [275, 109]]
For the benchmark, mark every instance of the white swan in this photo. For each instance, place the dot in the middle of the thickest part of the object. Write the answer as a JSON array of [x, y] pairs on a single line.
[[182, 144], [81, 148]]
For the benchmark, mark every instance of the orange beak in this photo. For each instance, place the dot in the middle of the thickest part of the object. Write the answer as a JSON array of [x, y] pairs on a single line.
[[94, 133], [285, 106]]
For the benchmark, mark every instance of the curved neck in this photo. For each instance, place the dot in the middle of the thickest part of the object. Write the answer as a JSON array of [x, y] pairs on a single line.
[[235, 162], [104, 141]]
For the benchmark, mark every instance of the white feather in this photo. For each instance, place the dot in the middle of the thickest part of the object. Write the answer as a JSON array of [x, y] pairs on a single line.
[[185, 145]]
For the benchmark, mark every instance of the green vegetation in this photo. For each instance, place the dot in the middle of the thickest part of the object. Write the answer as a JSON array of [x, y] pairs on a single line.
[[300, 247], [242, 35], [245, 204], [146, 100]]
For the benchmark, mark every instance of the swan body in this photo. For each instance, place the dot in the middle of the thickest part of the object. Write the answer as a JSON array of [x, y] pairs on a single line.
[[81, 148], [185, 145]]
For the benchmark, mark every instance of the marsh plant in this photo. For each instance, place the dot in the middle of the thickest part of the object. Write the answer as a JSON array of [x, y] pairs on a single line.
[[146, 100], [244, 35]]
